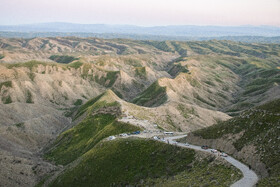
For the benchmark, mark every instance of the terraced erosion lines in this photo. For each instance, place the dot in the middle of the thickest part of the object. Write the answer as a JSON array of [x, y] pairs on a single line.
[[249, 179]]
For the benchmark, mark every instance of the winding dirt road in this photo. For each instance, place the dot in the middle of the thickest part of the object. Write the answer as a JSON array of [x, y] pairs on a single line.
[[249, 176], [249, 179]]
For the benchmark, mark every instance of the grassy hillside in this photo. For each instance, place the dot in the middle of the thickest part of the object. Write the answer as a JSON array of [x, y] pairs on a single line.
[[154, 95], [30, 64], [137, 161], [259, 127], [99, 123], [108, 80]]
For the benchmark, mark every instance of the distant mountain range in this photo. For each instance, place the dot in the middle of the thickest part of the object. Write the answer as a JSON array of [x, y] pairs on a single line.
[[248, 39], [173, 30]]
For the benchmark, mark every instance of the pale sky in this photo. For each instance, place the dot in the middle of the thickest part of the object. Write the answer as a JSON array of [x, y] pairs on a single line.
[[142, 12]]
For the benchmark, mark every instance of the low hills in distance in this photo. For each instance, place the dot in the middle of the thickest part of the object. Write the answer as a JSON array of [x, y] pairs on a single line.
[[260, 34]]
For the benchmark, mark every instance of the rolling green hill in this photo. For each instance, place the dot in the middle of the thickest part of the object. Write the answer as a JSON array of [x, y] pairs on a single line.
[[145, 162], [99, 122], [88, 159], [257, 127], [154, 95]]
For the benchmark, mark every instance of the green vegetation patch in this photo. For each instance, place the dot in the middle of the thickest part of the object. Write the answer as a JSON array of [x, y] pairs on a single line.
[[19, 125], [78, 102], [85, 107], [75, 65], [7, 84], [29, 97], [178, 68], [259, 127], [202, 173], [108, 80], [216, 49], [70, 111], [117, 93], [28, 65], [2, 56], [85, 70], [121, 49], [64, 59], [141, 72], [126, 162], [269, 181], [161, 45], [7, 99], [181, 50], [264, 81], [241, 49], [201, 99], [154, 95], [186, 111], [76, 141], [132, 62], [195, 47]]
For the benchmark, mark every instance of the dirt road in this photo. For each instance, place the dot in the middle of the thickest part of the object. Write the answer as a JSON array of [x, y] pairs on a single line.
[[249, 176]]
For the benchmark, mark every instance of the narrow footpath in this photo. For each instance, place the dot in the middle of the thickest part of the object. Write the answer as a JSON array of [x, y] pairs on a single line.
[[249, 179]]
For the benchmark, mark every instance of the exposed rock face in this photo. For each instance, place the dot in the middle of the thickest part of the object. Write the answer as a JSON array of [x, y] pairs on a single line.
[[114, 110], [22, 170], [24, 131]]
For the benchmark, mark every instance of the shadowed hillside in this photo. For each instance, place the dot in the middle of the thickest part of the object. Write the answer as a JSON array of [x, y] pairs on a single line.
[[252, 137]]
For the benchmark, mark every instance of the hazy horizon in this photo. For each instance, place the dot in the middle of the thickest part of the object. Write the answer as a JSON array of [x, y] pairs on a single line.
[[143, 13], [163, 25]]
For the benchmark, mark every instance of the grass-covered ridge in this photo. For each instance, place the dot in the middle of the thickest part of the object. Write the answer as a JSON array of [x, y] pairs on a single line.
[[100, 122], [154, 95], [138, 161], [259, 127], [64, 59], [29, 64]]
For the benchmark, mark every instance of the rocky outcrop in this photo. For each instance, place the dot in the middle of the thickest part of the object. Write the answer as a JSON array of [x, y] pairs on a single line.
[[113, 110]]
